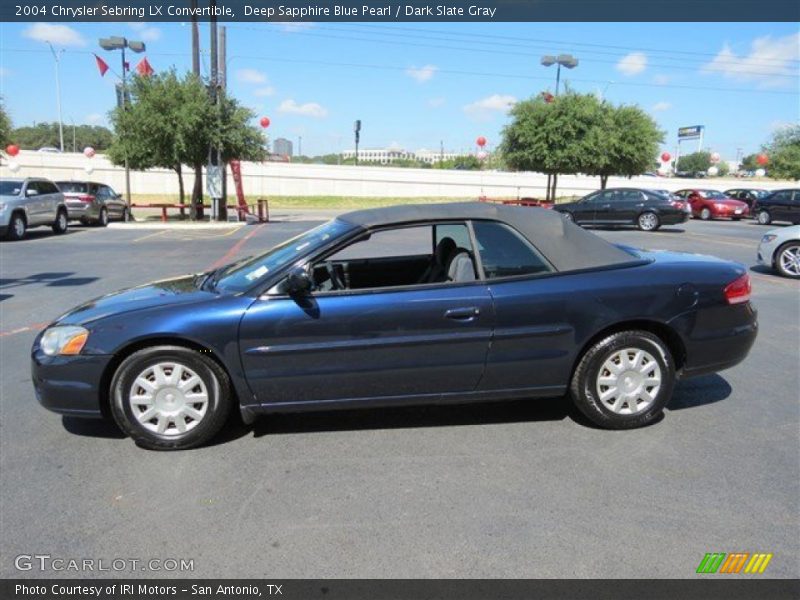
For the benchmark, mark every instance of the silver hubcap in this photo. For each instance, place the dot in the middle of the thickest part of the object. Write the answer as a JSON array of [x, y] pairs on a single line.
[[763, 218], [568, 216], [629, 381], [790, 260], [103, 217], [19, 226], [168, 398], [705, 213], [62, 221], [648, 221]]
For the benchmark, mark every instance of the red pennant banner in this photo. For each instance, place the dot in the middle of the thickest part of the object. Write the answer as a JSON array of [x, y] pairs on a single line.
[[102, 66], [144, 69]]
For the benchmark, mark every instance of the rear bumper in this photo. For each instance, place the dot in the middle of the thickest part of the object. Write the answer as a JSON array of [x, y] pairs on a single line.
[[68, 385], [675, 218], [725, 339], [82, 210]]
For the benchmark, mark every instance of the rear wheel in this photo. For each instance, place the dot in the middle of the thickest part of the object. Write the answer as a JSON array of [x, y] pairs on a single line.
[[648, 221], [787, 260], [170, 397], [16, 227], [61, 222], [705, 213], [624, 380], [764, 217], [102, 219]]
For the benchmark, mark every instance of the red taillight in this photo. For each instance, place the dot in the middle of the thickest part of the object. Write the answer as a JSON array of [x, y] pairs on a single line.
[[86, 198], [738, 290]]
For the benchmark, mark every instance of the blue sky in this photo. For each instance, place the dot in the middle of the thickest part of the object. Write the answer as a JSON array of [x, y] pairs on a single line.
[[414, 84]]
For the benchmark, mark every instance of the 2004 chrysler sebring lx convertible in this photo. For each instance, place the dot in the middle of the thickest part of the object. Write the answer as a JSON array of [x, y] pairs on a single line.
[[401, 305]]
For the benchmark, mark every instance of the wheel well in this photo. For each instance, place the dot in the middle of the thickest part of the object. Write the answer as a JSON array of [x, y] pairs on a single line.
[[125, 352], [661, 331], [781, 248], [19, 211]]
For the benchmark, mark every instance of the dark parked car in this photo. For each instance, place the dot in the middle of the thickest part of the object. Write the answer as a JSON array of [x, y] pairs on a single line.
[[647, 209], [396, 306], [713, 204], [780, 205], [746, 195], [90, 202]]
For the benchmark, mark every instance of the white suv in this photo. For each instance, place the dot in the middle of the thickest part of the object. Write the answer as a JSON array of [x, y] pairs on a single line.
[[30, 202]]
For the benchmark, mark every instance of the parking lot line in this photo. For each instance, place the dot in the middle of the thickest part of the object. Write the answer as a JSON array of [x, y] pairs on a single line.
[[226, 258], [150, 235]]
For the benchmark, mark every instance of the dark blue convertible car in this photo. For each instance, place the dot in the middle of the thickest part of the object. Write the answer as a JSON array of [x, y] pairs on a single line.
[[410, 304]]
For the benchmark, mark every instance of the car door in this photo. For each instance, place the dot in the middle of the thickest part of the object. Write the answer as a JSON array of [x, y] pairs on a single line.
[[606, 207], [391, 342], [793, 214], [51, 198], [781, 206], [627, 205], [532, 339], [583, 210], [36, 203]]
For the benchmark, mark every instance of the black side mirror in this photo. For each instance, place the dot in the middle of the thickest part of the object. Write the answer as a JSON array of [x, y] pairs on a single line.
[[298, 282]]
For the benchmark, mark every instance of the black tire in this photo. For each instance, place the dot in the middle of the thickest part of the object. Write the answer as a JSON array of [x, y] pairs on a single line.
[[648, 221], [61, 223], [568, 217], [584, 385], [763, 217], [102, 219], [217, 384], [736, 218], [788, 246], [705, 214], [17, 226]]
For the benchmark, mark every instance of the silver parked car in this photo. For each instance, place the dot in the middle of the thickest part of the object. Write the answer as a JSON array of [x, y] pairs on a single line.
[[90, 202], [780, 250], [31, 202]]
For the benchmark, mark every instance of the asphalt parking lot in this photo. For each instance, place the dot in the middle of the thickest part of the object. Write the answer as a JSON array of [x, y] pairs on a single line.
[[515, 490]]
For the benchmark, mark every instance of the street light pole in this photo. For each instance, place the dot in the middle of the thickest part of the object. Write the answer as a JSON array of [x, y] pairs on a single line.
[[57, 57], [569, 62]]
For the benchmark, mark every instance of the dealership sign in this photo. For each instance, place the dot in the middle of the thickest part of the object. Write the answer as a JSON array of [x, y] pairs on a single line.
[[688, 133]]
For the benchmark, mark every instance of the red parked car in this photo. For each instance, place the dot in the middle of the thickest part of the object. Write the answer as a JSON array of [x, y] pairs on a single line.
[[711, 204]]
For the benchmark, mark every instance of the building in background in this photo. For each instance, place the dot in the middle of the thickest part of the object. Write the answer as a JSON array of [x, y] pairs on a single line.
[[283, 147], [434, 156], [387, 156]]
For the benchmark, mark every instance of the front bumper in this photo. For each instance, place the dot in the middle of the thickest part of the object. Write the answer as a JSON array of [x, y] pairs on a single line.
[[68, 385]]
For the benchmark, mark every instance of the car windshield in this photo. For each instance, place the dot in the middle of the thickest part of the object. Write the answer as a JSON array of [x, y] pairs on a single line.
[[240, 277], [10, 188], [72, 187], [713, 195]]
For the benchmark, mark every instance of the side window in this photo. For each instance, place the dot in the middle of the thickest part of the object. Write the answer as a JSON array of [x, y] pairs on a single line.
[[33, 187], [103, 192], [784, 196], [457, 232], [45, 187], [504, 253], [409, 241]]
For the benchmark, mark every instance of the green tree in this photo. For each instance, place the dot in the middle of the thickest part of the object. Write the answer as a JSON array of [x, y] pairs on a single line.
[[625, 143], [171, 121], [783, 151], [722, 169], [5, 127], [697, 161], [749, 163], [33, 137]]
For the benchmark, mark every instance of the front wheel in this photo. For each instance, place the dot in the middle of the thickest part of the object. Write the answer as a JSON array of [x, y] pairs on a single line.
[[648, 221], [16, 227], [568, 217], [763, 217], [624, 380], [787, 260], [102, 220], [61, 222], [705, 214], [170, 397]]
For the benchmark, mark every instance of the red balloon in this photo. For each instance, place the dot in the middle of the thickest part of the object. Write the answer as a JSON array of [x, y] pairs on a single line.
[[548, 97], [762, 159], [12, 149], [665, 157], [264, 122], [481, 141]]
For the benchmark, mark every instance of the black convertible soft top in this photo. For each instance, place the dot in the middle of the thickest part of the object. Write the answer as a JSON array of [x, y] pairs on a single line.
[[567, 246]]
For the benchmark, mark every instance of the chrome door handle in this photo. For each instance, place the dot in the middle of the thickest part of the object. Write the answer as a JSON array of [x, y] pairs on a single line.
[[462, 314]]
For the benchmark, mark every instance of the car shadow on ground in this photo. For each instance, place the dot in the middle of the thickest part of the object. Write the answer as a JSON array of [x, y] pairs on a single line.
[[664, 229], [40, 233], [96, 428], [699, 391]]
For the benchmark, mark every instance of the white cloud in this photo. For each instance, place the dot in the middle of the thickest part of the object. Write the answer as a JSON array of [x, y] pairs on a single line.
[[436, 102], [661, 79], [251, 76], [421, 74], [309, 109], [487, 107], [632, 64], [145, 32], [661, 106], [60, 35], [94, 119], [262, 92], [771, 62]]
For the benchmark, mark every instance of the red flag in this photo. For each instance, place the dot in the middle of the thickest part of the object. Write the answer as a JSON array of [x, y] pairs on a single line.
[[144, 69], [101, 65]]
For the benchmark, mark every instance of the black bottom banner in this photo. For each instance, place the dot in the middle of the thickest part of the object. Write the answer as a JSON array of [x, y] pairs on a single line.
[[399, 589]]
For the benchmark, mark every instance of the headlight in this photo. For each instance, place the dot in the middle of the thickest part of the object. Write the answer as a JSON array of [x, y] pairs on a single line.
[[64, 339], [2, 206], [768, 238]]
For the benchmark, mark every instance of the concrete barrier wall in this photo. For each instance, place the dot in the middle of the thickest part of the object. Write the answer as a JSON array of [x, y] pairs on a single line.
[[286, 179]]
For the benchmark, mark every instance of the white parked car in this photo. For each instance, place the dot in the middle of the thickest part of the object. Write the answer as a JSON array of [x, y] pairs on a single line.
[[780, 250]]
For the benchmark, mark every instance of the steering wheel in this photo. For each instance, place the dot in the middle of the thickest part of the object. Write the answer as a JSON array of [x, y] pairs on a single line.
[[333, 274]]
